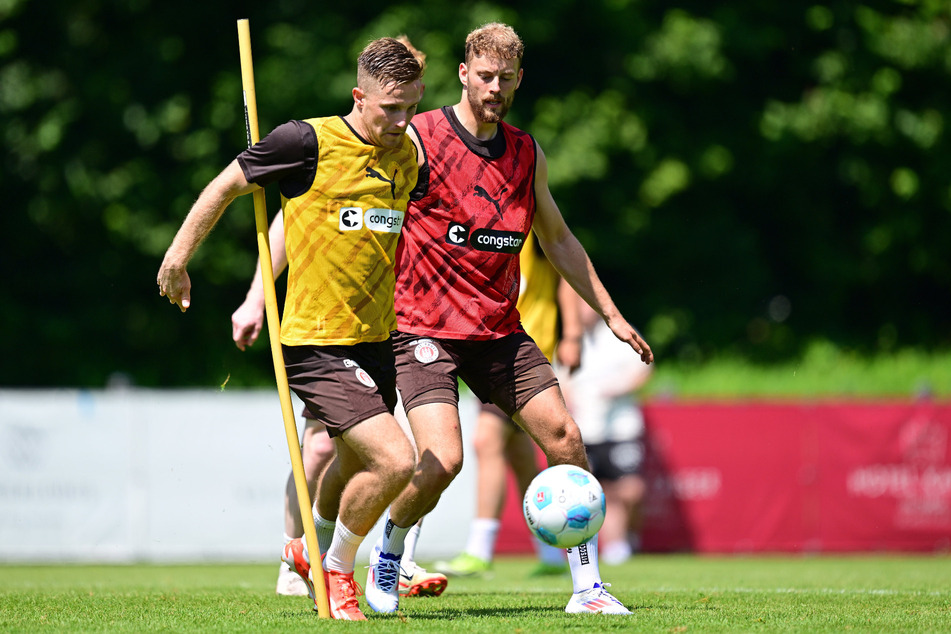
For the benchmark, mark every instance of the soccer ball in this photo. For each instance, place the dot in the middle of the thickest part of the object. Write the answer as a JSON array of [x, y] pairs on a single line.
[[564, 506]]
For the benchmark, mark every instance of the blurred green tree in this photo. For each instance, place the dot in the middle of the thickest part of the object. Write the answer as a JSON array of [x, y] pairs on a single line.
[[748, 179]]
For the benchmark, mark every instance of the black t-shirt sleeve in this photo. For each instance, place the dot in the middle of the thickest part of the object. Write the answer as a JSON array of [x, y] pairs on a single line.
[[288, 155]]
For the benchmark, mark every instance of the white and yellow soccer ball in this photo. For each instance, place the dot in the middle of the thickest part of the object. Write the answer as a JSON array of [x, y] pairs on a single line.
[[564, 506]]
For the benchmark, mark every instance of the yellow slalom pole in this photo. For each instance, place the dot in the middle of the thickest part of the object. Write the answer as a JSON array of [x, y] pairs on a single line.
[[274, 329]]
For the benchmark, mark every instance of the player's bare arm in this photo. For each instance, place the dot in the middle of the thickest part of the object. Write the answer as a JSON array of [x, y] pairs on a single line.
[[568, 351], [173, 280], [248, 319], [572, 262]]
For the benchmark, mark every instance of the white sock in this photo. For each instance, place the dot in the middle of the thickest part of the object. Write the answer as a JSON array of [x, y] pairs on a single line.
[[482, 535], [583, 561], [409, 545], [325, 532], [343, 549], [548, 554], [393, 537]]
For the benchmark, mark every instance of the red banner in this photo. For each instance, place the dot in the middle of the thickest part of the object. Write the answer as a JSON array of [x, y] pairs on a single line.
[[783, 477]]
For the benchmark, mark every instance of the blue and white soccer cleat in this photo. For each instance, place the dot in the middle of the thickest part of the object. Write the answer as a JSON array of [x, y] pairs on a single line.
[[597, 600], [383, 583]]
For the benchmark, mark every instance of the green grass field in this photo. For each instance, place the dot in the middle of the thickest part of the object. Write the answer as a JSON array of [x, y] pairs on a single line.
[[824, 371], [667, 593]]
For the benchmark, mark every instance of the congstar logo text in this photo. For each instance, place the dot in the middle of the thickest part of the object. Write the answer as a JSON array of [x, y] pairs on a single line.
[[376, 219], [490, 240], [384, 220], [497, 241]]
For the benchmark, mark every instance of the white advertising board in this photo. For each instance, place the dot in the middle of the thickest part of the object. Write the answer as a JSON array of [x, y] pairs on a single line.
[[165, 475]]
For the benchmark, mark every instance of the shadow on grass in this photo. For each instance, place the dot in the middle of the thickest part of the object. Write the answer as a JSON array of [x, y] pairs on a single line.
[[486, 612], [493, 605]]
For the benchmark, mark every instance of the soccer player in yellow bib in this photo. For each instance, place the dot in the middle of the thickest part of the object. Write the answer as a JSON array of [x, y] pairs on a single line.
[[316, 448], [345, 183]]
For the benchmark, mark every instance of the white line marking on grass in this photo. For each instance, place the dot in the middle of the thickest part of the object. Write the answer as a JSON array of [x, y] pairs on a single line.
[[859, 591]]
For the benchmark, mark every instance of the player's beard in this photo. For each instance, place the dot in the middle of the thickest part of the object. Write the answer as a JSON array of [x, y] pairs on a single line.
[[484, 114]]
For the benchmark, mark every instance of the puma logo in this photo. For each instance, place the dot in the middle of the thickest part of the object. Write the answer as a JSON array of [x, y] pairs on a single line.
[[372, 173], [481, 193]]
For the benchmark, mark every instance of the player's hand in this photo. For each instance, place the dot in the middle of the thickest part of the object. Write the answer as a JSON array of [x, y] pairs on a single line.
[[626, 333], [174, 283], [568, 353], [246, 323]]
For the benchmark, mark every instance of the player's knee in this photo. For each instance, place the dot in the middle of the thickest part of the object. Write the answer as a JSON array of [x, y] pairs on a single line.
[[401, 469], [438, 471], [318, 451], [394, 463], [455, 467], [572, 436], [484, 446], [566, 446]]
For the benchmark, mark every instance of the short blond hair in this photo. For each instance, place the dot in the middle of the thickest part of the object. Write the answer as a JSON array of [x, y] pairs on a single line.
[[495, 40], [387, 61], [418, 54]]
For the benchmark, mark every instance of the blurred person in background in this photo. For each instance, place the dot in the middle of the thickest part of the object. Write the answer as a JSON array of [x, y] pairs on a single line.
[[317, 448], [601, 396]]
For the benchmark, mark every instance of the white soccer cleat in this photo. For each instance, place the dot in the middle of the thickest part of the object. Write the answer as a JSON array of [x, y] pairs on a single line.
[[419, 582], [597, 600], [298, 563], [383, 580], [289, 583]]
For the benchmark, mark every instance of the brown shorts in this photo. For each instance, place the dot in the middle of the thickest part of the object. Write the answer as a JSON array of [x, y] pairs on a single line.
[[508, 371], [343, 385]]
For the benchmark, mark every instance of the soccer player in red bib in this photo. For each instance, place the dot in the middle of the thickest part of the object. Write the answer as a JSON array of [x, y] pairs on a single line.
[[483, 185]]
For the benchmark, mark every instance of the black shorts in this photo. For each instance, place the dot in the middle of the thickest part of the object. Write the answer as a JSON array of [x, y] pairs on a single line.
[[343, 385], [507, 371], [614, 460]]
